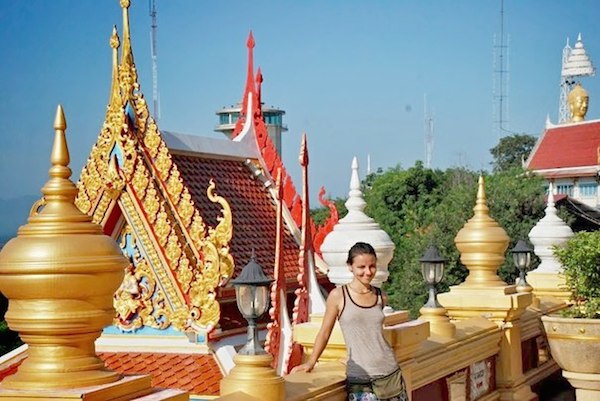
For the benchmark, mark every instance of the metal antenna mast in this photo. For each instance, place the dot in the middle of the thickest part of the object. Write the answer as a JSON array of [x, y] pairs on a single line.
[[501, 74], [154, 26], [428, 118]]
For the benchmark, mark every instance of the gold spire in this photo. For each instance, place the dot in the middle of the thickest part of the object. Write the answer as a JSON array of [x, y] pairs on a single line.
[[115, 94], [126, 37], [127, 73], [482, 244], [578, 103], [59, 191], [60, 323]]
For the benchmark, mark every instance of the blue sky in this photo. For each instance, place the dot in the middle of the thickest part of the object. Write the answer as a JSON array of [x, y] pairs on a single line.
[[351, 74]]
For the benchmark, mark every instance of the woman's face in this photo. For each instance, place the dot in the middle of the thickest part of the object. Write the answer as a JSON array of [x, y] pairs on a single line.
[[364, 267]]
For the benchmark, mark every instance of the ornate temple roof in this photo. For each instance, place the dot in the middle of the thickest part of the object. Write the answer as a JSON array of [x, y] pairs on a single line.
[[567, 150], [252, 208], [188, 211]]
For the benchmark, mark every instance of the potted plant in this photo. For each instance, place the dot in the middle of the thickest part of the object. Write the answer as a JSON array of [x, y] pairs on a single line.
[[574, 337]]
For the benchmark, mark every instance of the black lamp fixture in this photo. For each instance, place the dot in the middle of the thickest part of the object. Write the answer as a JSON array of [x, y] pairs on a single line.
[[522, 258], [432, 268], [252, 295]]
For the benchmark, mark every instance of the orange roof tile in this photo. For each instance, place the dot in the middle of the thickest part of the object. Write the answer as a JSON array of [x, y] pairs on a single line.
[[196, 373], [252, 207]]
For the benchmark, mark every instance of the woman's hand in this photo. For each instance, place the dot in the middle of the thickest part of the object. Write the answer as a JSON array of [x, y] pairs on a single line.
[[305, 367]]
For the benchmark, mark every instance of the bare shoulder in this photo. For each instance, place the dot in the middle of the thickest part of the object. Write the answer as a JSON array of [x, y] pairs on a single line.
[[335, 295], [384, 297]]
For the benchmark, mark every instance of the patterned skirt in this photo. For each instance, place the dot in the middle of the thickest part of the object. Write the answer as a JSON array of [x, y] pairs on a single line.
[[358, 390]]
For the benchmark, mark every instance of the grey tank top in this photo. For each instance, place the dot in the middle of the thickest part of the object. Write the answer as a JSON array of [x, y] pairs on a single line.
[[369, 354]]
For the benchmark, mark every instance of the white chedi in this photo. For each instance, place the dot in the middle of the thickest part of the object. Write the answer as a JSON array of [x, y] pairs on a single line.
[[547, 233], [354, 227]]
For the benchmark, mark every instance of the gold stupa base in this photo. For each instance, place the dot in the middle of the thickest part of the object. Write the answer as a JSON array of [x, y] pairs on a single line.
[[32, 377], [439, 323], [549, 285], [127, 388], [253, 375]]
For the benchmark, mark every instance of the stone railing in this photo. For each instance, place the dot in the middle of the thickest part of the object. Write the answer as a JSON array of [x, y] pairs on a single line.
[[457, 368]]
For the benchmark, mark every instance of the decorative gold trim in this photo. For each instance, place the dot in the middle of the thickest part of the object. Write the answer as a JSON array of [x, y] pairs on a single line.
[[578, 337], [130, 163], [175, 305]]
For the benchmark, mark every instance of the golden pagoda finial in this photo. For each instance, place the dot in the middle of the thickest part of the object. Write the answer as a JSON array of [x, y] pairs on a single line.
[[59, 189], [482, 243], [481, 207], [60, 323], [578, 103], [60, 151]]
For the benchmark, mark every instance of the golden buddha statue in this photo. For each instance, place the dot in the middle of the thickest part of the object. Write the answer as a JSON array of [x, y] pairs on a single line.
[[578, 103]]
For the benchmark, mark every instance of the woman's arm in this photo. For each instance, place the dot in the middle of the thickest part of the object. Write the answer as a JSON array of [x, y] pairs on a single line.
[[332, 310]]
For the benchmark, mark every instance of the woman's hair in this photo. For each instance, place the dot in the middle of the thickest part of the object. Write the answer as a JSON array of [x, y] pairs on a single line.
[[360, 248]]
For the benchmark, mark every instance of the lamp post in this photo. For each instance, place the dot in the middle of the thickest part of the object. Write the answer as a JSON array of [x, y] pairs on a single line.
[[522, 258], [253, 374], [252, 296], [432, 268]]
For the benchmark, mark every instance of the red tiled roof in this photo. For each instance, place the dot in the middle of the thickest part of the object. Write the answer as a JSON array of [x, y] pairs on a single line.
[[198, 374], [252, 207], [573, 145]]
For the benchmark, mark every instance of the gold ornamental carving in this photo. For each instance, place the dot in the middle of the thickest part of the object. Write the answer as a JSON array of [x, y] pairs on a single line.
[[130, 164], [137, 301], [75, 269]]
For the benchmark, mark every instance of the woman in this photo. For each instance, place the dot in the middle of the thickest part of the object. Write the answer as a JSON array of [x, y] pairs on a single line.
[[358, 306]]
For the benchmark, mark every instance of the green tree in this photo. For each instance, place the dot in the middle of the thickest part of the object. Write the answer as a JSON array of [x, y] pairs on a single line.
[[403, 203], [511, 151], [418, 207], [516, 202]]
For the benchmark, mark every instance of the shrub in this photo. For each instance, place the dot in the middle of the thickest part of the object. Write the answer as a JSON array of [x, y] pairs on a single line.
[[580, 257]]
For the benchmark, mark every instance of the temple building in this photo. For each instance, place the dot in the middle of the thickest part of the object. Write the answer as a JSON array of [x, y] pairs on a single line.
[[121, 286], [189, 212], [568, 154]]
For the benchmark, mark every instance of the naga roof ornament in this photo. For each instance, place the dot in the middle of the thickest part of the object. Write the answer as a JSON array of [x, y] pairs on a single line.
[[271, 160]]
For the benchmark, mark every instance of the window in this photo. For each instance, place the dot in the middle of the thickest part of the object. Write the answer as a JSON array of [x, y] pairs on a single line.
[[588, 189], [565, 189]]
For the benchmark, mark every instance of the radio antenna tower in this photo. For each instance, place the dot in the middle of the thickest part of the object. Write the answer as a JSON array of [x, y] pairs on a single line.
[[575, 63], [501, 79], [154, 26], [428, 119]]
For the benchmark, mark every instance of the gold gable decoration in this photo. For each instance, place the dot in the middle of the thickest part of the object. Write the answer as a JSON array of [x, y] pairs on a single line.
[[131, 164]]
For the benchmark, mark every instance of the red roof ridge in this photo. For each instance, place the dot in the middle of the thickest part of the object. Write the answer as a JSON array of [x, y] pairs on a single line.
[[271, 161]]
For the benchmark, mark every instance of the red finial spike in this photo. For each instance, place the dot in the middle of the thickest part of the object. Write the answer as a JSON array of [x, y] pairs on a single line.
[[259, 81], [250, 42], [250, 88], [303, 151], [259, 77]]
